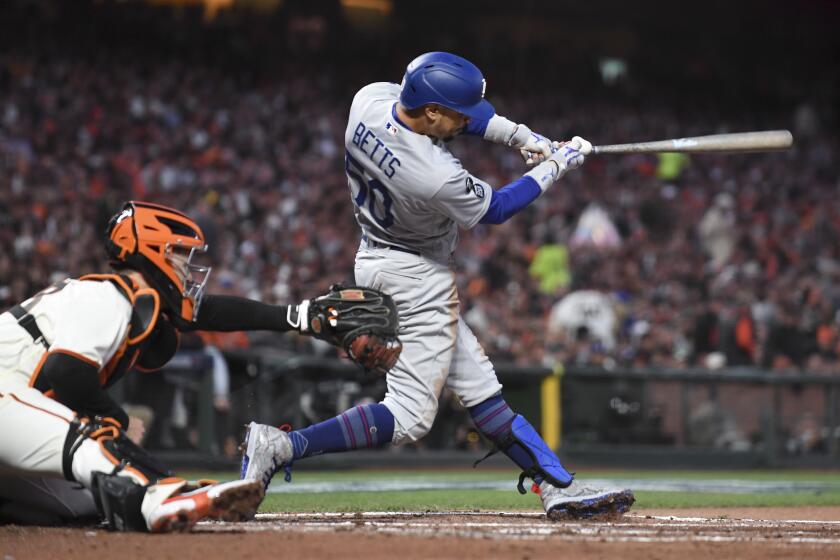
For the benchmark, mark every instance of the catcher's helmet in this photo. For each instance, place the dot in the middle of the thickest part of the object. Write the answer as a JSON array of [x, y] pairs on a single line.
[[448, 80], [160, 243]]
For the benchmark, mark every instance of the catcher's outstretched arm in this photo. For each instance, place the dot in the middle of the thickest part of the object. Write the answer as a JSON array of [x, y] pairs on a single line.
[[362, 321], [232, 313]]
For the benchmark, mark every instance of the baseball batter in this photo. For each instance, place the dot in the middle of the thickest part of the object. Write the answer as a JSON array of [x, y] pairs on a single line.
[[410, 196], [65, 454]]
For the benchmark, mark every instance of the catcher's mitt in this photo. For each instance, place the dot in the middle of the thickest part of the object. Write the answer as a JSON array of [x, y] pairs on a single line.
[[362, 321]]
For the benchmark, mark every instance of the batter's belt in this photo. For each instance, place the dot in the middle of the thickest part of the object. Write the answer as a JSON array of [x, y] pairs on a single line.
[[377, 245]]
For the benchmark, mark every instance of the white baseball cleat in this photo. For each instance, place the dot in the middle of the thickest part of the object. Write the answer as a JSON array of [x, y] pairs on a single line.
[[228, 501], [266, 450], [579, 501]]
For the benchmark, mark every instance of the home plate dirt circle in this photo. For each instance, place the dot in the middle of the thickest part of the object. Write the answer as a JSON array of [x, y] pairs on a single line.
[[635, 528], [805, 533]]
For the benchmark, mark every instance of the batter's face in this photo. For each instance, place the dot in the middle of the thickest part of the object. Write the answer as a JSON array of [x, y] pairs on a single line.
[[444, 123]]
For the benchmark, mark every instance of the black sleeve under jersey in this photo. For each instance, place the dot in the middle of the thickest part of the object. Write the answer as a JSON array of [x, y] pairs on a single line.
[[76, 386], [231, 313]]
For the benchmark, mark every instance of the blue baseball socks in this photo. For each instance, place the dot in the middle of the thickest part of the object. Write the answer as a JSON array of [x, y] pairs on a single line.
[[366, 426]]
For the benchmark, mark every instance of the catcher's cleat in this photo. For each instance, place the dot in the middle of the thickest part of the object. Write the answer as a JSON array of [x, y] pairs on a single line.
[[579, 501], [229, 501], [266, 450]]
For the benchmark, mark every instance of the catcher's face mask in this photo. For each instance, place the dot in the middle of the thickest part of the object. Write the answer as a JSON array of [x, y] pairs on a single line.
[[162, 244], [194, 275]]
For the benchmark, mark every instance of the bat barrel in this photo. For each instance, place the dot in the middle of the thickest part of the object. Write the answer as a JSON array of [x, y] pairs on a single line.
[[764, 141]]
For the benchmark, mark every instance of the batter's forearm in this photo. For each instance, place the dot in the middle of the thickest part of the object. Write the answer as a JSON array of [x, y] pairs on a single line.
[[510, 199], [533, 147], [504, 131], [500, 130], [476, 127]]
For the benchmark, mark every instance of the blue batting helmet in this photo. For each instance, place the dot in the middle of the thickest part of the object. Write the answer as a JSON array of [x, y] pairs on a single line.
[[448, 80]]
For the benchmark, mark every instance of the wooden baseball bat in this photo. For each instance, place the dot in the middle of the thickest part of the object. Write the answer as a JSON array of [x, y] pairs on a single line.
[[765, 141]]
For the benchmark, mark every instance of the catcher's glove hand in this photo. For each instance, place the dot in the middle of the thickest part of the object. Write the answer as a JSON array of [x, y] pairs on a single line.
[[362, 321]]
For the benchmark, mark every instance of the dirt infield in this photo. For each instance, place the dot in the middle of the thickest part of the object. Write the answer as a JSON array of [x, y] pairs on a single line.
[[645, 534]]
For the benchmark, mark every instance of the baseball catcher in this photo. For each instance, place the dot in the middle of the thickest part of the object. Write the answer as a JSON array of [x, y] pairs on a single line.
[[63, 347]]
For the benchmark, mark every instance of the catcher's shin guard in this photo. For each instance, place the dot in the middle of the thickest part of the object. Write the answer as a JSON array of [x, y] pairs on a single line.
[[119, 500], [117, 471], [99, 444], [526, 448]]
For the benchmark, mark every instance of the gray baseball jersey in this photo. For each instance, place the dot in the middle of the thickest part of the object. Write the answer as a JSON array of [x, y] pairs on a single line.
[[408, 189], [410, 192]]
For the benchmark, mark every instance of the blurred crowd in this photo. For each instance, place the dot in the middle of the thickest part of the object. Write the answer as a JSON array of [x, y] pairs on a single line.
[[704, 261]]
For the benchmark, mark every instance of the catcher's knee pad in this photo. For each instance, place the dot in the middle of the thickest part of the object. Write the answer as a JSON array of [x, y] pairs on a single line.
[[99, 445], [521, 442], [119, 500]]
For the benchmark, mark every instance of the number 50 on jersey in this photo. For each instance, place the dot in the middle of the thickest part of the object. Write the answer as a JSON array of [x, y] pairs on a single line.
[[379, 206]]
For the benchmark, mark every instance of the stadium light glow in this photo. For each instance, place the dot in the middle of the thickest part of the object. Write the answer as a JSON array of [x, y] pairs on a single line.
[[382, 6]]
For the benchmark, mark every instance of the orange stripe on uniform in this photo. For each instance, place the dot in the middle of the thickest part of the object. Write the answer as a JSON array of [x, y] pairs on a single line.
[[101, 441], [138, 474], [170, 480], [38, 369], [30, 405], [72, 354], [112, 420]]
